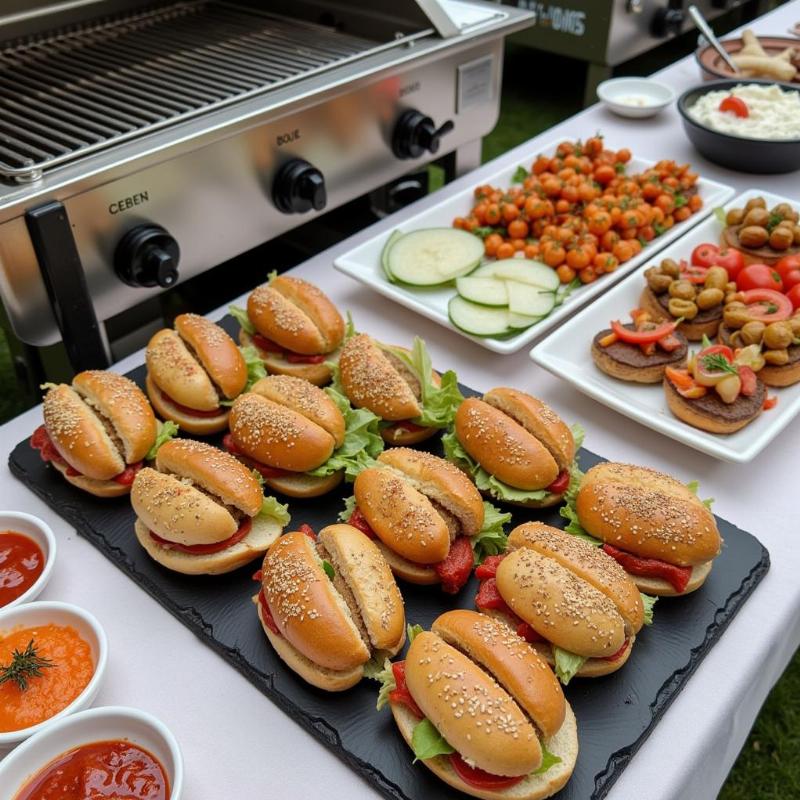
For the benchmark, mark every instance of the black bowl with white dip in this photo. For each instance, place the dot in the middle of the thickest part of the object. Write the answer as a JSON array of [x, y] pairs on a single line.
[[756, 130]]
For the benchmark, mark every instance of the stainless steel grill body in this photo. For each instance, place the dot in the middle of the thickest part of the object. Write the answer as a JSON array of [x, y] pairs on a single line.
[[190, 134]]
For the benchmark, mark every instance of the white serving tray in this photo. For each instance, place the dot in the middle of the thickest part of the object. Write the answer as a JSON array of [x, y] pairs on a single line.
[[363, 262], [566, 353]]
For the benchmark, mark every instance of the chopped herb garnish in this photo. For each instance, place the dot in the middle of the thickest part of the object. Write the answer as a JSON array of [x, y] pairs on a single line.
[[773, 221], [716, 362], [680, 200], [24, 666], [328, 568], [520, 173]]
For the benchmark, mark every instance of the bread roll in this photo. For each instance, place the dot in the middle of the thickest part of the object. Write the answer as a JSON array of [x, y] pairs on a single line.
[[277, 436], [510, 661], [178, 511], [379, 603], [493, 732], [440, 481], [589, 563], [371, 381], [214, 471], [402, 517], [188, 422], [539, 420], [276, 363], [79, 435], [307, 610], [646, 513], [560, 606], [216, 352], [123, 405], [173, 370], [306, 399], [503, 447]]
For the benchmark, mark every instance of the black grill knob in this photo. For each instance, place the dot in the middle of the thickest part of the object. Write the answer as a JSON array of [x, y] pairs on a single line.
[[299, 187], [415, 134], [147, 256], [668, 21]]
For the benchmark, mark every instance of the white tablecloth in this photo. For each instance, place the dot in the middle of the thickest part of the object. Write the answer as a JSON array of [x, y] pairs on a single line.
[[238, 745]]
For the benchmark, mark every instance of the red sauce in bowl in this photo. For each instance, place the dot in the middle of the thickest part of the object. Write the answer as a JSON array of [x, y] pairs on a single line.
[[117, 769], [21, 564]]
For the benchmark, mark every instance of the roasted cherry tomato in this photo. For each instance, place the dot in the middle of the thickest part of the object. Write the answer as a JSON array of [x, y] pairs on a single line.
[[735, 105], [709, 255], [643, 337], [693, 272], [759, 276], [794, 296], [789, 270]]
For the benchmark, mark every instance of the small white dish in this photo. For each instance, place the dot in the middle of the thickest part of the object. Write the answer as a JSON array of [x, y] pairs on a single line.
[[89, 629], [636, 98], [41, 533], [363, 262], [567, 354], [95, 725]]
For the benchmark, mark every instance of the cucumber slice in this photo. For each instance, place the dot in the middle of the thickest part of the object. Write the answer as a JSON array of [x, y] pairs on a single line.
[[477, 320], [392, 240], [521, 321], [528, 300], [488, 270], [533, 273], [433, 256], [484, 291]]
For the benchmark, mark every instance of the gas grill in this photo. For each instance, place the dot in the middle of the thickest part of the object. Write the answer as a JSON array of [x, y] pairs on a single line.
[[141, 144]]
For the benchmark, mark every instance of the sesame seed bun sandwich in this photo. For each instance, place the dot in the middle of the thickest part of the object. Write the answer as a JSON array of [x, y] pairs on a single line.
[[514, 447], [96, 432], [199, 511], [654, 526], [481, 710], [303, 440], [329, 605], [293, 326], [399, 386], [577, 607], [425, 515], [193, 372]]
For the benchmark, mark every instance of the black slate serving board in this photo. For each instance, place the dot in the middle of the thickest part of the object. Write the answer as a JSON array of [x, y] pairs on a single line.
[[615, 714]]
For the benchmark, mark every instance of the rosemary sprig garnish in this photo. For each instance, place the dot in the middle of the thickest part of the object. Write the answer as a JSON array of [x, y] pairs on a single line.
[[716, 362], [24, 665]]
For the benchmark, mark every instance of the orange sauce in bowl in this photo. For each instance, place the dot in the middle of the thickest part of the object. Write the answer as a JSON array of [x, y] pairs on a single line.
[[58, 685]]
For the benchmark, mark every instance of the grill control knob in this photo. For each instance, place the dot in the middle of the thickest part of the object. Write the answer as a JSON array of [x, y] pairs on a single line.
[[668, 21], [414, 134], [147, 256], [299, 187]]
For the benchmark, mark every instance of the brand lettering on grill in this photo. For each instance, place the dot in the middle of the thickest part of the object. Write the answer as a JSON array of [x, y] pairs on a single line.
[[138, 199], [412, 87]]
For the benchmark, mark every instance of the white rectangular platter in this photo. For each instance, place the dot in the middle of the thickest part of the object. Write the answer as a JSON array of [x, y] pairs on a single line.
[[363, 262], [567, 354]]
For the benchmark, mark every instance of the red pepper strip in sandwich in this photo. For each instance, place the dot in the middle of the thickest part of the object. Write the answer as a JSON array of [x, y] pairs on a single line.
[[677, 577], [40, 440], [308, 531], [125, 478], [526, 632], [618, 655], [643, 337], [192, 412], [479, 778], [266, 614], [560, 484], [293, 358], [489, 567], [489, 599], [401, 694], [204, 549], [359, 521], [456, 568], [266, 472]]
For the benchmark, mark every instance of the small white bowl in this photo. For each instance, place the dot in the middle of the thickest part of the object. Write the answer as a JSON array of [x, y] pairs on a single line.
[[635, 97], [51, 613], [95, 725], [41, 533]]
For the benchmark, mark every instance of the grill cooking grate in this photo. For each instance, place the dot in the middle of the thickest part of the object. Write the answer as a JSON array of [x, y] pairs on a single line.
[[73, 92]]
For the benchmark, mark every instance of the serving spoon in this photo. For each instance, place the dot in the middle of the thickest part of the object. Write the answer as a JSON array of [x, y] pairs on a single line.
[[705, 29]]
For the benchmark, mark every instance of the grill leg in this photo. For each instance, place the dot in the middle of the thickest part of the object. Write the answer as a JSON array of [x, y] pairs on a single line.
[[63, 276], [468, 157]]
